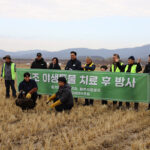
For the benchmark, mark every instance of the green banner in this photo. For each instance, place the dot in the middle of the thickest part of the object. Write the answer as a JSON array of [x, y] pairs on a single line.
[[93, 85]]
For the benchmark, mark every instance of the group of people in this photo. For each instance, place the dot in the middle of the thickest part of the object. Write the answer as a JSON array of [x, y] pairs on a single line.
[[63, 99]]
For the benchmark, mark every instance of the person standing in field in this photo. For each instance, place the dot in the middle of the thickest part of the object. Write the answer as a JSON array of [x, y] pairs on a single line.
[[73, 64], [89, 66], [27, 93], [104, 68], [63, 99], [54, 64], [115, 67], [9, 75], [39, 63], [132, 67], [147, 70]]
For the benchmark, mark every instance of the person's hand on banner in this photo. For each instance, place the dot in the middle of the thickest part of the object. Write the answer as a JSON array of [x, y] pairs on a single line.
[[28, 96]]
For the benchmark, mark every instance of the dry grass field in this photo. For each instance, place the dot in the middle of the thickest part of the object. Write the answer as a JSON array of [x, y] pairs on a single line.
[[84, 128]]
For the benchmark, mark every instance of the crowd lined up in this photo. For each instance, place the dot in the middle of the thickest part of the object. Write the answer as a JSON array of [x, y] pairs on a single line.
[[63, 99]]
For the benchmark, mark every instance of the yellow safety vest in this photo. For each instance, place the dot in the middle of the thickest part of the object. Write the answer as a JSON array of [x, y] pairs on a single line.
[[13, 73], [117, 69], [89, 66], [133, 68]]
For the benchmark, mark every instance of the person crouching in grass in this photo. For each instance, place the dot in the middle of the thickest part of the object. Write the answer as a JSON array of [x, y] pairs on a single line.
[[27, 93], [104, 69], [63, 99]]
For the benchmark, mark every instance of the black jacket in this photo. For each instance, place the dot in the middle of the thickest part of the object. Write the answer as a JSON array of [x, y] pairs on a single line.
[[73, 65], [56, 66], [122, 68], [147, 68], [39, 64], [27, 86], [65, 95]]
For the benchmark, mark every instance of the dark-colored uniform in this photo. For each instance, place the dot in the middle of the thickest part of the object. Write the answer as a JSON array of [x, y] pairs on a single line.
[[64, 94], [89, 67], [73, 65], [24, 88], [39, 64], [147, 68], [54, 66], [133, 68]]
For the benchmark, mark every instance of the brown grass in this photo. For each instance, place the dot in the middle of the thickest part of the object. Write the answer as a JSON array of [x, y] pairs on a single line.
[[85, 128]]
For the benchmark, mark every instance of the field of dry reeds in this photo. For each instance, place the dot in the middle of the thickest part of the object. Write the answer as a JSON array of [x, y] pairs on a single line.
[[84, 128]]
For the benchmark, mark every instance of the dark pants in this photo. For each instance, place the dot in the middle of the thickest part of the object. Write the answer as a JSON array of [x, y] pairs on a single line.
[[8, 84], [25, 103], [89, 101], [136, 105], [63, 107], [114, 102], [76, 100], [104, 102]]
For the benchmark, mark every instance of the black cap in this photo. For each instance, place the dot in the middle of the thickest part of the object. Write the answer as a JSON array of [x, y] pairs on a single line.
[[7, 56], [27, 74], [39, 54], [149, 55], [132, 57], [62, 79]]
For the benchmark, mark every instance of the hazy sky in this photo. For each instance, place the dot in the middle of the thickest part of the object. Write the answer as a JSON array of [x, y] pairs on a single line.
[[60, 24]]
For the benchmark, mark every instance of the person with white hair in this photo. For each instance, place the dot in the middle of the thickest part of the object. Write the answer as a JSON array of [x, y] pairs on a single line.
[[89, 66]]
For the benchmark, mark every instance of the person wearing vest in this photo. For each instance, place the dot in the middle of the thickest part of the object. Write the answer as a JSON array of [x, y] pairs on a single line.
[[9, 75], [147, 70], [89, 66], [116, 67], [132, 67]]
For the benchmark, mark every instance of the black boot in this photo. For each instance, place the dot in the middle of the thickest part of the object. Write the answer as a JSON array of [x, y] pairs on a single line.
[[120, 105], [148, 107], [86, 102], [91, 102], [114, 103], [136, 106], [76, 100], [127, 105]]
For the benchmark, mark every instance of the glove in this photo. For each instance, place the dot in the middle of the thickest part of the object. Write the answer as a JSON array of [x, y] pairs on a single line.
[[58, 102], [51, 98], [28, 96]]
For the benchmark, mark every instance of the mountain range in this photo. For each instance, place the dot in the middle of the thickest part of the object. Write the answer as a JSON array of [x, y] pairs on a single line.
[[138, 52]]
